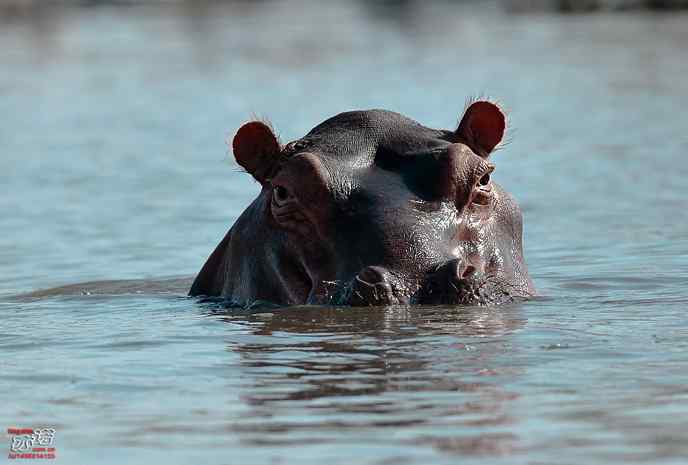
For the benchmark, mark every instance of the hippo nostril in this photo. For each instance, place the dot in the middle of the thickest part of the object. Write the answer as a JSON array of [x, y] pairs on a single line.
[[468, 272], [372, 275], [485, 180], [459, 270], [372, 286]]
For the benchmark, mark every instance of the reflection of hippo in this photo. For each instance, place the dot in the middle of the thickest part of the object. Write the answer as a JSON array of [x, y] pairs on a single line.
[[371, 208]]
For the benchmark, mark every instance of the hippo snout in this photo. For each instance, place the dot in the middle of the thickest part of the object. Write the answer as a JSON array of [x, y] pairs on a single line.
[[454, 282]]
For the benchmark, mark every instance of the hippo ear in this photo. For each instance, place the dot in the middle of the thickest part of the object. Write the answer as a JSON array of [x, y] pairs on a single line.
[[256, 149], [482, 127]]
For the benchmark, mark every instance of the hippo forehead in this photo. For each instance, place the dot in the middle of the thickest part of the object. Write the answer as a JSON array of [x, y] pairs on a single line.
[[358, 138]]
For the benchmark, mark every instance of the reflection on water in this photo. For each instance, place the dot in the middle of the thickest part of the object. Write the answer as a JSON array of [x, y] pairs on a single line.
[[397, 369], [114, 167]]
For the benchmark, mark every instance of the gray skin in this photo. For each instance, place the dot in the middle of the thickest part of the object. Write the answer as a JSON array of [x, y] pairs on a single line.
[[372, 208]]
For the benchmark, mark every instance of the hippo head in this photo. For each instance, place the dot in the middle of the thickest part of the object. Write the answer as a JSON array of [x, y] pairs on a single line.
[[372, 208]]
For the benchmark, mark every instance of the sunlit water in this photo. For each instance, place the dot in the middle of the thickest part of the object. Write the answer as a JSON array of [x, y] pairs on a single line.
[[113, 166]]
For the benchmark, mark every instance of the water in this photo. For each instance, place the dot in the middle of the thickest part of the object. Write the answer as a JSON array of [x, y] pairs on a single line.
[[114, 167]]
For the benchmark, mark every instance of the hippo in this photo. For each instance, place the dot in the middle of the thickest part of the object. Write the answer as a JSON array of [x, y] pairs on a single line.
[[371, 208]]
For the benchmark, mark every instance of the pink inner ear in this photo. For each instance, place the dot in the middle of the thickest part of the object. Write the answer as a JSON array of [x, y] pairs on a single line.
[[255, 148], [483, 124]]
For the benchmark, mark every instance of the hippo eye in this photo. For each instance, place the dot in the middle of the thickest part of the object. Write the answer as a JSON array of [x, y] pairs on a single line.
[[280, 194]]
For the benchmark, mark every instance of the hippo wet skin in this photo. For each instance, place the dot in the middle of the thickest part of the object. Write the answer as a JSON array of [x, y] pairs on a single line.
[[372, 208]]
